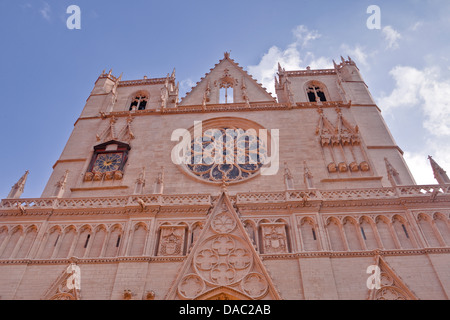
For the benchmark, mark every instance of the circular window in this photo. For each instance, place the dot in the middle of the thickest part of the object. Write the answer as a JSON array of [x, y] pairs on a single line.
[[227, 153]]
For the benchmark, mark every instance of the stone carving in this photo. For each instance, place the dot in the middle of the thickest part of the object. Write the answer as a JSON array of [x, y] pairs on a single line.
[[254, 285], [390, 293], [191, 286], [223, 223], [274, 238], [223, 260], [171, 242]]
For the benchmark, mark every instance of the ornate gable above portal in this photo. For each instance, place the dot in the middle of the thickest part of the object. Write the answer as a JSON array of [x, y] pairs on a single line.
[[66, 286], [223, 264], [391, 286], [227, 74]]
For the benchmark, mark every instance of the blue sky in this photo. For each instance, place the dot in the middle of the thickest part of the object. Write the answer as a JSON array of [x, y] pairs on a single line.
[[48, 71]]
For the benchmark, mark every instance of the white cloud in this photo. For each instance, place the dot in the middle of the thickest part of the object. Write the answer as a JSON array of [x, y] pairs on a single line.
[[186, 85], [419, 164], [391, 36], [424, 92], [423, 89], [45, 11], [416, 26], [303, 36], [291, 58], [357, 54]]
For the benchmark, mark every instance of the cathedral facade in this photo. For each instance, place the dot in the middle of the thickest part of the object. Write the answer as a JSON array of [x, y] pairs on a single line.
[[229, 193]]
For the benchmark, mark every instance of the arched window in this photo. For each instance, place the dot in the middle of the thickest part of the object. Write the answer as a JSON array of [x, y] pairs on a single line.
[[352, 234], [316, 91], [309, 235], [139, 101]]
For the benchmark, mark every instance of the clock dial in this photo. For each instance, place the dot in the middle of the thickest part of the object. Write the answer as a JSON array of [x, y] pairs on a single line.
[[107, 162]]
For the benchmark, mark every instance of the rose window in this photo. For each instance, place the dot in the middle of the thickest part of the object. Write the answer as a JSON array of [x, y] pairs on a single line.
[[226, 154]]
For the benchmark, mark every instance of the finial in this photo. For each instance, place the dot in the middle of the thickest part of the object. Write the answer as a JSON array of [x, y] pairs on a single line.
[[439, 173], [18, 187]]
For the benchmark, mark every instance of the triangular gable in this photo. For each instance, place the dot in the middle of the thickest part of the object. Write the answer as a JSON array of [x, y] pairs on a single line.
[[223, 260], [66, 286], [391, 285], [245, 88]]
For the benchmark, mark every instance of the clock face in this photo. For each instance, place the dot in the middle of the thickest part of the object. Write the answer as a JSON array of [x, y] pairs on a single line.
[[108, 162]]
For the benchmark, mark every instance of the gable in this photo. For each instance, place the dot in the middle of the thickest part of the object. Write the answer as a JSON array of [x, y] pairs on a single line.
[[223, 262], [226, 73]]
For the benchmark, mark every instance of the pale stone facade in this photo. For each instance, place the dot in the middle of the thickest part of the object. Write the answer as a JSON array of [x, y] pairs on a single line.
[[119, 219]]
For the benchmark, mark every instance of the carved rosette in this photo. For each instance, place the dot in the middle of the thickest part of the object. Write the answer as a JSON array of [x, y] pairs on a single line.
[[191, 286], [254, 285], [223, 223], [223, 260]]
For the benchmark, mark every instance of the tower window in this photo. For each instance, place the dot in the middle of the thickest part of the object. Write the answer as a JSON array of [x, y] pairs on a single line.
[[139, 102], [226, 95], [316, 92]]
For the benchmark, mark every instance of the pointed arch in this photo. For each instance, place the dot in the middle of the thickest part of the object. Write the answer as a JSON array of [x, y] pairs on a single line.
[[352, 234], [288, 233], [335, 234], [402, 231], [13, 239], [3, 238], [316, 91], [96, 245], [139, 100], [66, 242], [83, 240], [30, 236], [114, 240], [196, 229], [385, 231], [52, 238], [428, 230], [368, 232], [442, 224], [139, 236], [309, 235]]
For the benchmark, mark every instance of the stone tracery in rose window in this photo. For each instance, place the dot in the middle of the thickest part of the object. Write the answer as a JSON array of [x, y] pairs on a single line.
[[227, 154]]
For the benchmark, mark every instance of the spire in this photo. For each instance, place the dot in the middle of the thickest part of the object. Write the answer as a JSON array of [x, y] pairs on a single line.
[[17, 189], [393, 175], [439, 173], [61, 185]]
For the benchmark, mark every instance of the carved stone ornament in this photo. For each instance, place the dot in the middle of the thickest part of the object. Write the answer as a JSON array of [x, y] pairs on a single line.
[[223, 260], [172, 241], [223, 223], [274, 238], [191, 286], [254, 285]]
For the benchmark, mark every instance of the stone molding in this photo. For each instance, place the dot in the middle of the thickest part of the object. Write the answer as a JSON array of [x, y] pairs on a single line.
[[284, 256], [400, 195]]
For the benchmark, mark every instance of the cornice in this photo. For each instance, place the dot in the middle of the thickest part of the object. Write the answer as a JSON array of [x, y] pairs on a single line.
[[347, 254], [264, 257], [402, 196]]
